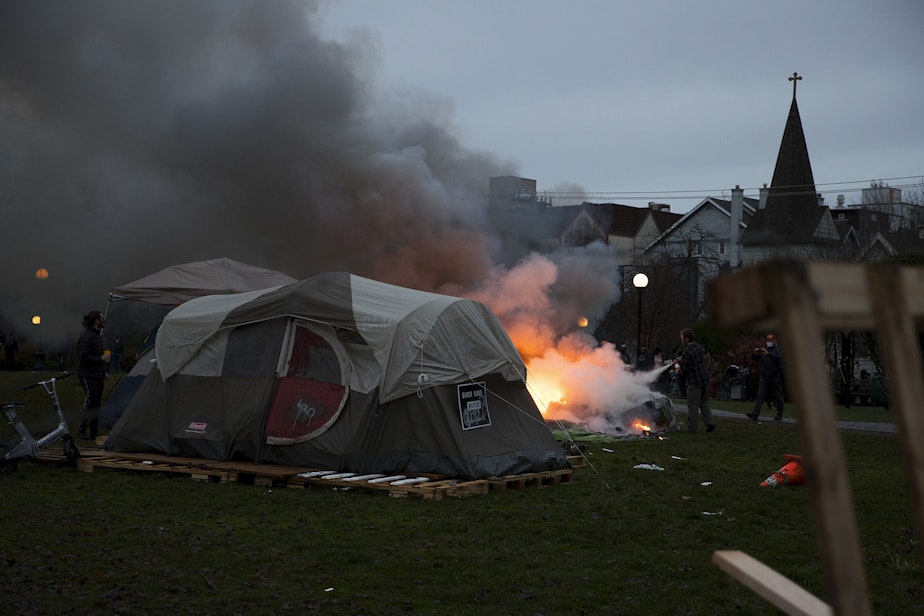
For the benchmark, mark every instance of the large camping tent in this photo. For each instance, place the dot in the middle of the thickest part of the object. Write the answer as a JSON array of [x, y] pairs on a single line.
[[343, 373], [172, 286]]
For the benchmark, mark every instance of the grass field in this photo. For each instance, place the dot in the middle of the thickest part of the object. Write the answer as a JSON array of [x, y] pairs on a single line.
[[616, 540]]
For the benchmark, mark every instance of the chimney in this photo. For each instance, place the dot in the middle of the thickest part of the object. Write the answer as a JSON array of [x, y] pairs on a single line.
[[764, 193], [840, 202], [737, 208], [659, 207], [821, 199]]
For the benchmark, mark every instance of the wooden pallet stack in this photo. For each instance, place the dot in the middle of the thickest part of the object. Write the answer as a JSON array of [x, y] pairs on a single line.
[[802, 300], [426, 486]]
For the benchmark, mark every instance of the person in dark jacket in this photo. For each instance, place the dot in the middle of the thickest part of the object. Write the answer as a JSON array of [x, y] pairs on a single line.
[[92, 366], [694, 370], [771, 378]]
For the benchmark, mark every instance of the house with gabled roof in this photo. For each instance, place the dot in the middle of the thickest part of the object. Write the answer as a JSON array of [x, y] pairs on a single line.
[[628, 228], [540, 227], [702, 243], [874, 236], [711, 230]]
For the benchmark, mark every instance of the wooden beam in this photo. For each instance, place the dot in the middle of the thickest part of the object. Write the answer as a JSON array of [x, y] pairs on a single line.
[[801, 299], [894, 292], [844, 299], [796, 301], [779, 590]]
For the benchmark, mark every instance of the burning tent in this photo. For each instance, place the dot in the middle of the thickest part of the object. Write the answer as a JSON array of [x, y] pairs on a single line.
[[651, 417], [344, 373]]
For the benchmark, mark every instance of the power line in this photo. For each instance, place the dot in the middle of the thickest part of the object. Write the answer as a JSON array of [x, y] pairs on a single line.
[[698, 194]]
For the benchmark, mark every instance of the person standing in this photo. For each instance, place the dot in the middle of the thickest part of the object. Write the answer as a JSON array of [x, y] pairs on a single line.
[[92, 366], [694, 371], [771, 378], [644, 362]]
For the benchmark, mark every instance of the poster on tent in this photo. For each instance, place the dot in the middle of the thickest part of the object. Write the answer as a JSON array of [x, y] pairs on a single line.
[[473, 406]]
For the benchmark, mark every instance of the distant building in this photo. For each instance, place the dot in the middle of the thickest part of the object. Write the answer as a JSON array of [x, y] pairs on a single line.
[[512, 192], [788, 220], [792, 222], [525, 223]]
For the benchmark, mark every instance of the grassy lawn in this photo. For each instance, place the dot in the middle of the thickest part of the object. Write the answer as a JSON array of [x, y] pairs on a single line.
[[616, 540]]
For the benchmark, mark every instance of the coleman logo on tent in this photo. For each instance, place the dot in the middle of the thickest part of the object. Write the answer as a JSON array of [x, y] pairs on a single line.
[[473, 406], [197, 427]]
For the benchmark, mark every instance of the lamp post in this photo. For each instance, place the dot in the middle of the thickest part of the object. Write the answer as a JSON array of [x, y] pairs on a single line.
[[39, 364], [41, 274], [639, 281]]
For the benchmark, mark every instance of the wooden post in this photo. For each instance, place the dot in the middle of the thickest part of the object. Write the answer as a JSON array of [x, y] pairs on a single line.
[[785, 293], [794, 301], [892, 297]]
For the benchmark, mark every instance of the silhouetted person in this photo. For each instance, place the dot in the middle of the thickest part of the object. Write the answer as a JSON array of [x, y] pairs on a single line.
[[771, 378], [92, 366], [694, 370]]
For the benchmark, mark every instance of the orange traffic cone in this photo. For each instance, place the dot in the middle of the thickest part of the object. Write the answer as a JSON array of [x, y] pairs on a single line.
[[791, 474]]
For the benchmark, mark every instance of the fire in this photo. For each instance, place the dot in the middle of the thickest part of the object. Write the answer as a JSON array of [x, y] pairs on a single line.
[[548, 306], [546, 391], [638, 425], [576, 376]]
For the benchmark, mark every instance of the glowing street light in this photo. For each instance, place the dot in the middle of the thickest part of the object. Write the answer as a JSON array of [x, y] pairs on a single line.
[[639, 281], [39, 355]]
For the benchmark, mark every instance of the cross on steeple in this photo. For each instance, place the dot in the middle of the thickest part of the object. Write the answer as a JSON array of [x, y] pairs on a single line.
[[796, 78]]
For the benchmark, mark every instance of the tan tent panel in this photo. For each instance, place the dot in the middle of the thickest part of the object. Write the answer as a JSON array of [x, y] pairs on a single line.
[[179, 283]]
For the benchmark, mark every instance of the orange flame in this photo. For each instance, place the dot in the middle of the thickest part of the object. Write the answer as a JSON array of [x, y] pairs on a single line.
[[638, 425]]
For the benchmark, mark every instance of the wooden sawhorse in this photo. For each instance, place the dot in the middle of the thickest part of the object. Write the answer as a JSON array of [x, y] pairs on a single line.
[[802, 300]]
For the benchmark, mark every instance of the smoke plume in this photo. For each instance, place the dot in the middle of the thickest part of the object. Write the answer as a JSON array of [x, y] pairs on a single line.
[[136, 135], [547, 304]]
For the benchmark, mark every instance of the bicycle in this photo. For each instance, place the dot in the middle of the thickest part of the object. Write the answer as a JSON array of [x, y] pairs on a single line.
[[26, 445]]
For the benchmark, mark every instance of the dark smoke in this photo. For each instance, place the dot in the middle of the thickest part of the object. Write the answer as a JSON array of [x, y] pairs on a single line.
[[135, 135]]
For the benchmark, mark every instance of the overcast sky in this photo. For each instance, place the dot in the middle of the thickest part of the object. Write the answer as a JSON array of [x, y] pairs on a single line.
[[655, 97], [310, 136]]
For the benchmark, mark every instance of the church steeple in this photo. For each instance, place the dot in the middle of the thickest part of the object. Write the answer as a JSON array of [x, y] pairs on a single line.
[[791, 213], [792, 177]]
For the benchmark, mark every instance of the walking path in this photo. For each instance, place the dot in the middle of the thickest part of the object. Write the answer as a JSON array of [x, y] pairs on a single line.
[[867, 426]]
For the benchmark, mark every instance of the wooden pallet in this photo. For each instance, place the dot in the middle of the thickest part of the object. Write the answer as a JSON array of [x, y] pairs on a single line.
[[185, 466], [430, 487], [530, 480], [802, 300]]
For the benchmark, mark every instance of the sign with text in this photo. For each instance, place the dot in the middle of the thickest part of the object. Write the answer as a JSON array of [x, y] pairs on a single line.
[[473, 406]]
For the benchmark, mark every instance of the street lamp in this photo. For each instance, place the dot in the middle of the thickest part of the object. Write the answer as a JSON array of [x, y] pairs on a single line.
[[639, 281], [39, 365]]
